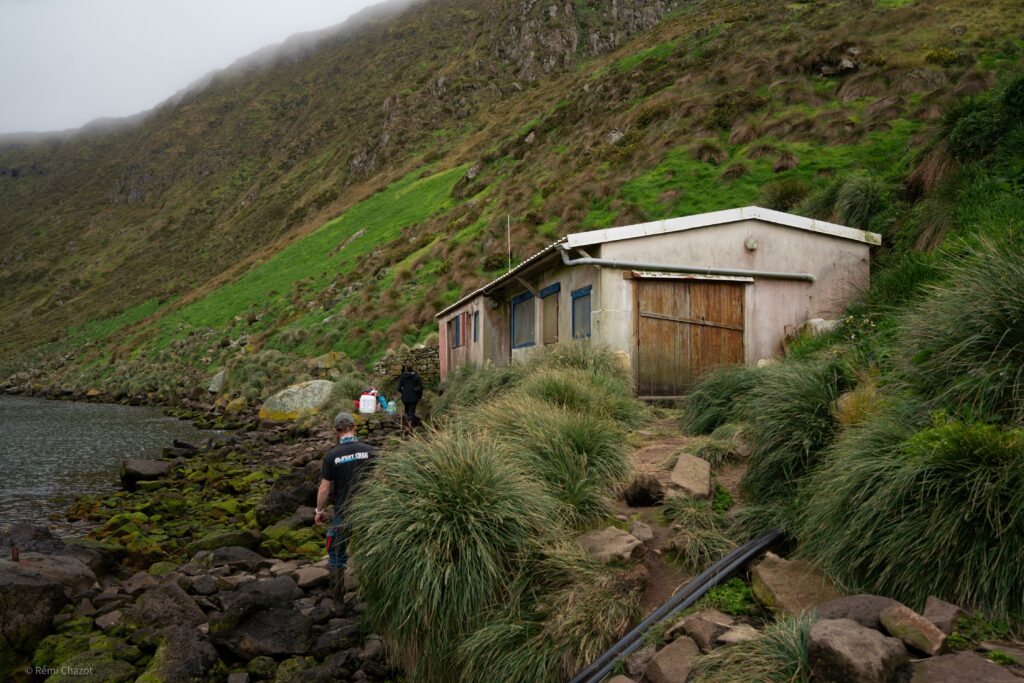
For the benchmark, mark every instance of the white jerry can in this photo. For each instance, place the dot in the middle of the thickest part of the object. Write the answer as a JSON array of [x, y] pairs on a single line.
[[367, 404]]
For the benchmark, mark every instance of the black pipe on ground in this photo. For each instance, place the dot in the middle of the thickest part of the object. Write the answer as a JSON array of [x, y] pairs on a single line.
[[686, 596]]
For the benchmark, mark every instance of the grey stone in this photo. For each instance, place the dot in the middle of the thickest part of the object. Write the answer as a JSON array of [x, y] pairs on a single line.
[[844, 651], [204, 585], [611, 544], [941, 613], [308, 578], [673, 662], [183, 655], [637, 662], [692, 476], [271, 632], [913, 629], [705, 627], [1012, 650], [280, 589], [238, 677], [28, 603], [217, 382], [68, 571], [864, 609], [296, 401], [641, 531], [109, 620], [165, 605], [789, 587], [138, 582], [963, 667], [134, 470], [620, 679], [234, 557], [741, 633]]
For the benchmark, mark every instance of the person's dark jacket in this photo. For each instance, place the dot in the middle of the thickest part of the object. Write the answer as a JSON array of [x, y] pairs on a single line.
[[410, 387]]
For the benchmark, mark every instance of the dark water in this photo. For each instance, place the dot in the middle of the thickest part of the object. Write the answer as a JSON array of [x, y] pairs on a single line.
[[51, 451]]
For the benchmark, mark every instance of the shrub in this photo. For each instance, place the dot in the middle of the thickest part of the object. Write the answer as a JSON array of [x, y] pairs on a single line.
[[965, 342], [470, 385], [779, 655], [912, 514], [788, 419], [584, 391], [712, 402], [438, 534], [578, 455], [977, 128], [784, 194]]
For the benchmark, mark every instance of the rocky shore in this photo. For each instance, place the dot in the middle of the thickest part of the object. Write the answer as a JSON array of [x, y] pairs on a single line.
[[206, 566]]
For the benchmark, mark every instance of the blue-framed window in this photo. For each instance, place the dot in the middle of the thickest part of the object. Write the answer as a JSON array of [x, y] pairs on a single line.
[[549, 313], [581, 313], [476, 326], [524, 321]]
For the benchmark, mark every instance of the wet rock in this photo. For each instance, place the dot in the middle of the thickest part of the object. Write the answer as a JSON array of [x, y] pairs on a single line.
[[272, 632], [943, 614], [844, 651], [621, 679], [341, 636], [963, 667], [1012, 650], [68, 571], [611, 544], [644, 491], [913, 629], [288, 492], [261, 667], [28, 603], [673, 662], [135, 470], [790, 586], [165, 605], [692, 476], [864, 609], [204, 585], [184, 655], [28, 538]]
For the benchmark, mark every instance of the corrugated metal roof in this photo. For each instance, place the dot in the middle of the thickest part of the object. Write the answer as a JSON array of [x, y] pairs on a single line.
[[498, 280]]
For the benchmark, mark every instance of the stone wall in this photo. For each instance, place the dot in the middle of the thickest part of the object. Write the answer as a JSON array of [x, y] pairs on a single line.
[[426, 360]]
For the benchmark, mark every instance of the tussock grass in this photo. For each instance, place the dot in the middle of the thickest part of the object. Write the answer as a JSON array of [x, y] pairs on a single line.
[[912, 513], [778, 656], [965, 342], [695, 514], [470, 385], [578, 455], [788, 419], [712, 402], [585, 391], [698, 540], [597, 359], [438, 534]]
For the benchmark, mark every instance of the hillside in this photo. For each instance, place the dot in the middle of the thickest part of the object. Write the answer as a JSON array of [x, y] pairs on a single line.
[[337, 195]]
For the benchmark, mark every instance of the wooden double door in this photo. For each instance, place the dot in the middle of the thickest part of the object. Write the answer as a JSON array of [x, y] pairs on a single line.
[[684, 328]]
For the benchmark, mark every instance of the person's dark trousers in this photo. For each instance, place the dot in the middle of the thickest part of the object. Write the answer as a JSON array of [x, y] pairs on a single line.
[[410, 413], [337, 557]]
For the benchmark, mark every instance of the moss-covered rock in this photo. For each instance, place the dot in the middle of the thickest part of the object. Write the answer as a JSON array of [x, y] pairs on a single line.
[[93, 667]]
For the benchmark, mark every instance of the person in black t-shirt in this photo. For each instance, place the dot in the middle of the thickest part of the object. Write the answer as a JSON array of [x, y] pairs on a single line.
[[410, 386], [343, 466]]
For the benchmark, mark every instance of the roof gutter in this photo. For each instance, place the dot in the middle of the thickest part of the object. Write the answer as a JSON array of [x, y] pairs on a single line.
[[678, 268]]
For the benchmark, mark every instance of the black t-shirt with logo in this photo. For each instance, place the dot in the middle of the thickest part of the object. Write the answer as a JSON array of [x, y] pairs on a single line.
[[344, 465]]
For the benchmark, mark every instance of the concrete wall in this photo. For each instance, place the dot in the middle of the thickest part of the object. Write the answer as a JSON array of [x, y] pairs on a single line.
[[841, 267]]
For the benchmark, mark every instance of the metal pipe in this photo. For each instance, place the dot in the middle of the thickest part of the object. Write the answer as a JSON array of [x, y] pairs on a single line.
[[696, 270], [687, 595]]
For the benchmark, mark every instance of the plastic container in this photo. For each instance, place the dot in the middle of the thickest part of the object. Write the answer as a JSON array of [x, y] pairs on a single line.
[[367, 404], [392, 407]]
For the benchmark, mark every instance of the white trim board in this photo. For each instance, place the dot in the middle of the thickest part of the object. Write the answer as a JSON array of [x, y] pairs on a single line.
[[703, 220]]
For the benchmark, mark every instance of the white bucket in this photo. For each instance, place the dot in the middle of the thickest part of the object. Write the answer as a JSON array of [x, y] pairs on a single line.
[[367, 404]]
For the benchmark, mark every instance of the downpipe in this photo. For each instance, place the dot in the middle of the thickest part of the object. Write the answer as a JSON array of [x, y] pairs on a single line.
[[677, 268], [687, 596]]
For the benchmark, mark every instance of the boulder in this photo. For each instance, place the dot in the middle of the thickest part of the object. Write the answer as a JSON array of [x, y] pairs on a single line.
[[233, 557], [280, 589], [620, 679], [673, 662], [138, 583], [789, 587], [341, 636], [705, 626], [308, 578], [109, 620], [272, 632], [864, 609], [28, 538], [217, 382], [641, 531], [963, 667], [288, 492], [943, 614], [297, 401], [245, 538], [134, 470], [68, 571], [692, 476], [28, 603], [913, 629], [93, 667], [165, 605], [611, 544], [638, 662], [844, 651], [644, 491], [184, 655]]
